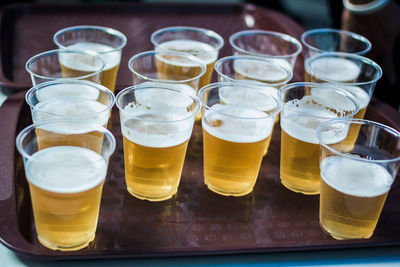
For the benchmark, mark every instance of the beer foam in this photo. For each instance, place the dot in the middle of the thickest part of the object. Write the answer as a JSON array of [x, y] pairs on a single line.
[[67, 89], [205, 52], [331, 98], [228, 122], [70, 107], [334, 69], [157, 124], [254, 98], [260, 70], [360, 94], [280, 61], [66, 169], [297, 124], [112, 58], [355, 177], [173, 97]]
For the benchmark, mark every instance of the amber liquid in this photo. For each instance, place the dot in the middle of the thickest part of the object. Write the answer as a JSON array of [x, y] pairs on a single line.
[[354, 129], [68, 220], [167, 70], [231, 168], [205, 52], [299, 165], [340, 220], [73, 73], [352, 214], [109, 77], [363, 102], [65, 186], [153, 173]]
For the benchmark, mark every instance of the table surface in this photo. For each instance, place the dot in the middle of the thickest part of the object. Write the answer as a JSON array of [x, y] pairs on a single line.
[[349, 257]]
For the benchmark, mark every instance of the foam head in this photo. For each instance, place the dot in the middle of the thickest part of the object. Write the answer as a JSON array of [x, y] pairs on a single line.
[[79, 61], [177, 100], [341, 103], [301, 117], [261, 98], [158, 118], [237, 123], [356, 177], [205, 52], [260, 70], [67, 89], [333, 69], [110, 55], [360, 94], [66, 169]]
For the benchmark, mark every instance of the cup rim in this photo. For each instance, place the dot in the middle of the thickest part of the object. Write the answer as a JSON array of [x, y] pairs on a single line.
[[94, 126], [239, 83], [318, 85], [154, 53], [62, 50], [283, 36], [108, 30], [134, 88], [361, 122], [359, 58], [100, 87], [338, 31], [207, 32], [263, 59]]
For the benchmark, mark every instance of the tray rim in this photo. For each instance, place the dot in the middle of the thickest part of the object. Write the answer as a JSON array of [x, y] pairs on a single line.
[[392, 116]]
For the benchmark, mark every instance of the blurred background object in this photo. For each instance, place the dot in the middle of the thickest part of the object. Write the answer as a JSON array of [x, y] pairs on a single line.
[[382, 28]]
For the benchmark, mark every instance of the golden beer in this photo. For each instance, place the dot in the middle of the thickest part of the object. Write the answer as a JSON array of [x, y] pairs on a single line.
[[363, 100], [353, 193], [69, 100], [342, 72], [65, 184], [265, 73], [269, 74], [176, 68], [153, 173], [355, 74], [299, 166], [110, 55], [70, 107], [156, 129], [233, 148], [203, 51], [226, 163], [259, 99], [68, 72]]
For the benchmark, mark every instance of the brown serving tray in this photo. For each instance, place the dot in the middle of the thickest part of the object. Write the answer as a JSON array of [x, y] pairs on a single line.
[[196, 221]]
